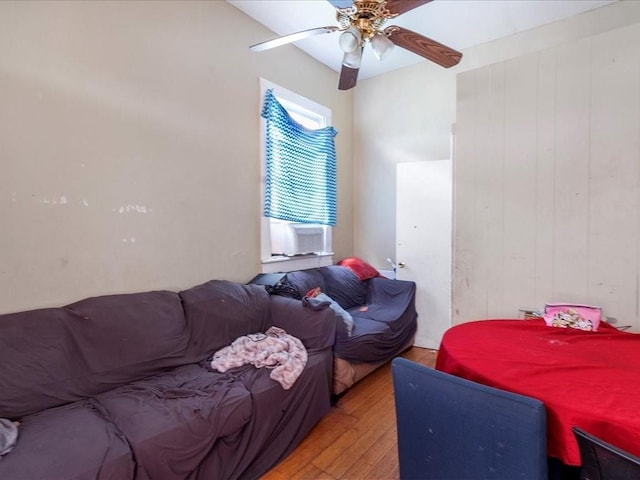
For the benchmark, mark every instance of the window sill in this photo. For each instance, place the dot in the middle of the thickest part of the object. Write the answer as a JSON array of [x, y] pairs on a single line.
[[298, 262]]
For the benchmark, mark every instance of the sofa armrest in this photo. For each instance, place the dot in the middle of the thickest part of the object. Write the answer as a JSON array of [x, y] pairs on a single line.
[[385, 290], [315, 328]]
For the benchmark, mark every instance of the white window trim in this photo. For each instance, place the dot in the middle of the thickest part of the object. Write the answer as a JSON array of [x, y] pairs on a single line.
[[269, 263]]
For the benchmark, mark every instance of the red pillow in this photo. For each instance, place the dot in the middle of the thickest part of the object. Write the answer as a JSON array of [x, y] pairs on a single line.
[[362, 269]]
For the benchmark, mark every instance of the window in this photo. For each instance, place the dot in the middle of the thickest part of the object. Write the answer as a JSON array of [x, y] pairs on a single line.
[[290, 245]]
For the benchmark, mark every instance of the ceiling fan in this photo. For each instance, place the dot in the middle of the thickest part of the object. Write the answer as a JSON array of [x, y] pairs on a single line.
[[363, 22]]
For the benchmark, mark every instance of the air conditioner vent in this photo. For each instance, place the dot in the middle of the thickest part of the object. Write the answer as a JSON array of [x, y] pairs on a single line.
[[298, 239]]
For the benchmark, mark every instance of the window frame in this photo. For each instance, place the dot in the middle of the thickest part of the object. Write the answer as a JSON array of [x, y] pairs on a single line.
[[296, 105]]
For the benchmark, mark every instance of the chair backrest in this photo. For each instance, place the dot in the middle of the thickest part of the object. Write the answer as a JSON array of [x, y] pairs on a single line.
[[603, 461], [455, 429]]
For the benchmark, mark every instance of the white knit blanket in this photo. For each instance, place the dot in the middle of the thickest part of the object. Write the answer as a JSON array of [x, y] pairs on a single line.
[[276, 349]]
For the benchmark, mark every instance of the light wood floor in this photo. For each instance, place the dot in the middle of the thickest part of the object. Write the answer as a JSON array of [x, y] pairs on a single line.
[[357, 439]]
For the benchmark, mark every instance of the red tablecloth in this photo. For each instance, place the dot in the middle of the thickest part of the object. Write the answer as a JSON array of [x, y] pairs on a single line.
[[587, 379]]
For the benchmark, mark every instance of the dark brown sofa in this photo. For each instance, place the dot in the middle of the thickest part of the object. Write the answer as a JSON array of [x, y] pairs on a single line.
[[383, 313], [120, 386]]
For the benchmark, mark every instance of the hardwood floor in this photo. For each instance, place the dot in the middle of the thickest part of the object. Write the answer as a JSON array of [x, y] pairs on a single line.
[[357, 439]]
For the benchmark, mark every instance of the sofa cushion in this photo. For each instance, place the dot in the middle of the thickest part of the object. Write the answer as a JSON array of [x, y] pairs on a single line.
[[305, 280], [280, 420], [344, 286], [315, 328], [132, 335], [172, 419], [71, 442], [59, 355], [384, 327], [220, 311], [365, 342]]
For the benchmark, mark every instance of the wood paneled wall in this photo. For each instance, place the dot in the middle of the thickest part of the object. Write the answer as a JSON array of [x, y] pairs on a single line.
[[547, 181]]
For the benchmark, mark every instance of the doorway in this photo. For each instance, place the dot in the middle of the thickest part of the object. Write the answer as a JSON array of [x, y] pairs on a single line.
[[424, 208]]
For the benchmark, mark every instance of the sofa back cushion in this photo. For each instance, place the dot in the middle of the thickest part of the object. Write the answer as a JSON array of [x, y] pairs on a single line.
[[220, 311], [344, 286], [305, 280], [54, 356]]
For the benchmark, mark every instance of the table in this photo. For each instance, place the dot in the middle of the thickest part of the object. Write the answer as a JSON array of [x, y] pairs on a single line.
[[587, 379]]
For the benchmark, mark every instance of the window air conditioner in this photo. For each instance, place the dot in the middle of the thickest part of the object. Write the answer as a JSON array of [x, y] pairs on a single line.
[[297, 238]]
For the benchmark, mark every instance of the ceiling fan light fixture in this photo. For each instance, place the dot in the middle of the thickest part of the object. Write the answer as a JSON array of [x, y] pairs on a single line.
[[350, 40], [381, 46], [352, 59], [362, 21]]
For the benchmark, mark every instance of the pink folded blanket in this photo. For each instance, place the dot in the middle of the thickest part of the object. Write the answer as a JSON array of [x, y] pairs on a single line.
[[275, 349]]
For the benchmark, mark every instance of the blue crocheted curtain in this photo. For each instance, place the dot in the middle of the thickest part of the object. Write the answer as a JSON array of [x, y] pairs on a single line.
[[301, 168]]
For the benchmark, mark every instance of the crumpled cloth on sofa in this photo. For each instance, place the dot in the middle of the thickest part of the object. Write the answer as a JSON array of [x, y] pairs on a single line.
[[8, 435], [275, 349], [319, 301]]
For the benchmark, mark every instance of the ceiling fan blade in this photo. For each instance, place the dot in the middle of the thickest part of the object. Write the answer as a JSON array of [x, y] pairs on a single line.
[[348, 78], [292, 37], [400, 6], [423, 46]]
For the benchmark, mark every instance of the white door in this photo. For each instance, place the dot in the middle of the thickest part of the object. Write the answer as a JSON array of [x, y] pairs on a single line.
[[423, 242]]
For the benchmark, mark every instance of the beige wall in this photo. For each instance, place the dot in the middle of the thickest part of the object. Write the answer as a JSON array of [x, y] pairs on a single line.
[[129, 141], [403, 116], [129, 146], [407, 116]]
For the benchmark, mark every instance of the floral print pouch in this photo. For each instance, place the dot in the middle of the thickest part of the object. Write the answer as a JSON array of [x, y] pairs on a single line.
[[565, 315]]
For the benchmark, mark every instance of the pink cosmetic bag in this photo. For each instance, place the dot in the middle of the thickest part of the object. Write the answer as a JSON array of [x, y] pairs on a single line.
[[566, 315]]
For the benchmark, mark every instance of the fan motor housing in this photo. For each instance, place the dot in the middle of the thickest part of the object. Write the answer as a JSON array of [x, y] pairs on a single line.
[[366, 16]]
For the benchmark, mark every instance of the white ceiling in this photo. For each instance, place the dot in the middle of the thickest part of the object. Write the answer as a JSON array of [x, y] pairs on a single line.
[[459, 24]]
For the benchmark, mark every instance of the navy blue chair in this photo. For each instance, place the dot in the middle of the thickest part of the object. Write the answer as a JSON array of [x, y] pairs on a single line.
[[450, 428], [603, 461]]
